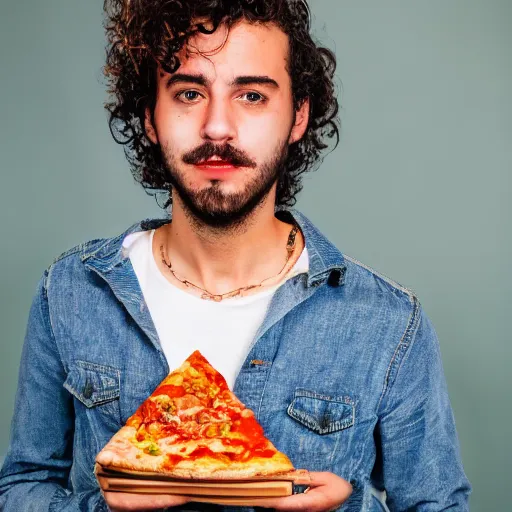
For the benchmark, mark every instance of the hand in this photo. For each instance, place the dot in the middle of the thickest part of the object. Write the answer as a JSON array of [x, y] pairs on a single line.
[[125, 501], [327, 491]]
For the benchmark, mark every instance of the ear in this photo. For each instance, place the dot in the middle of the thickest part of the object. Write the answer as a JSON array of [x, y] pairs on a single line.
[[150, 129], [301, 122]]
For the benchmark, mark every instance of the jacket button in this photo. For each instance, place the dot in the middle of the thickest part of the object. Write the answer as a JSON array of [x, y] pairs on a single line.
[[88, 390]]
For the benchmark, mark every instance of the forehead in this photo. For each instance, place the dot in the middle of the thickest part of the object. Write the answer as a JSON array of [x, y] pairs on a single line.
[[246, 49]]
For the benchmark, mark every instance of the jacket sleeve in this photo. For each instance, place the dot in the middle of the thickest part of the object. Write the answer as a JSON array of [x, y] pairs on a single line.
[[421, 466], [35, 473]]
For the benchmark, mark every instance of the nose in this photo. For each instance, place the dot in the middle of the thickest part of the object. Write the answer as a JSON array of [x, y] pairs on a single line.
[[218, 125]]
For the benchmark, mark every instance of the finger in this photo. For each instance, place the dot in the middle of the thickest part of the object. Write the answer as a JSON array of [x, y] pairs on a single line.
[[326, 492], [127, 502]]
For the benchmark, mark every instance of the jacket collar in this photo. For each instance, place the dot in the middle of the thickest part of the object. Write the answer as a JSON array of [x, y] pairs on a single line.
[[326, 263]]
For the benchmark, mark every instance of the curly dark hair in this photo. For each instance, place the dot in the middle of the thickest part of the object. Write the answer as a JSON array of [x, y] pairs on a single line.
[[145, 34]]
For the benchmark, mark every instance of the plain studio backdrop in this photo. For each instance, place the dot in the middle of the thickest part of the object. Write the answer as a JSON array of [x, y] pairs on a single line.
[[418, 187]]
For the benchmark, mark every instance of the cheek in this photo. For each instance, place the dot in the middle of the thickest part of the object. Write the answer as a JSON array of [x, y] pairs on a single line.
[[173, 126], [261, 136], [176, 132], [273, 122]]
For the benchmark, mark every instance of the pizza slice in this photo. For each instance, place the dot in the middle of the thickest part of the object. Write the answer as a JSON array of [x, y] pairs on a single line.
[[192, 426]]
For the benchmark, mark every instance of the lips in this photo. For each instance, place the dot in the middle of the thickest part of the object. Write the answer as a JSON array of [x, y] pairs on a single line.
[[215, 169], [215, 163]]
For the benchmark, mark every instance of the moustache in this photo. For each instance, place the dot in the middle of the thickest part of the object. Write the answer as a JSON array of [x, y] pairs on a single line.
[[225, 152]]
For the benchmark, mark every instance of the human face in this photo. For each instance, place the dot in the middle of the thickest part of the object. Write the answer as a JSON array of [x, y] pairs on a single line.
[[224, 121]]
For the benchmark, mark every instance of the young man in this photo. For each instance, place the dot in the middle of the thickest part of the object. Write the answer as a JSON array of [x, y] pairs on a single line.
[[226, 104]]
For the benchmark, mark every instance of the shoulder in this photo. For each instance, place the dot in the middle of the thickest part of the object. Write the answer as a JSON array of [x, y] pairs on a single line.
[[80, 251], [101, 253], [383, 305], [107, 245], [71, 264], [362, 276], [357, 278], [367, 285]]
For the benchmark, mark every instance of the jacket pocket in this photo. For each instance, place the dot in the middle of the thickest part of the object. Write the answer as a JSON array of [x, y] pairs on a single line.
[[93, 384], [321, 413], [96, 389]]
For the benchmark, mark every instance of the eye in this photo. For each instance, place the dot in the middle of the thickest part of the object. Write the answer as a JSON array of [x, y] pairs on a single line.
[[189, 96], [254, 97]]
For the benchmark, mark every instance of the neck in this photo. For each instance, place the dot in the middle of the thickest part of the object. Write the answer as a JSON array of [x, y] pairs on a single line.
[[219, 259]]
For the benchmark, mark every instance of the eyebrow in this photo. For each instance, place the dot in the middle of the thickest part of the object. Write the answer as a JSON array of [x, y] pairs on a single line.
[[238, 81]]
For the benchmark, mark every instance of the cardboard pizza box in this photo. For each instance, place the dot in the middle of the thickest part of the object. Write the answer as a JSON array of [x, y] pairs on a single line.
[[230, 492]]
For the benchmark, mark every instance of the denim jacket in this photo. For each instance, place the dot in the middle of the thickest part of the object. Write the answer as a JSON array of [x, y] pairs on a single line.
[[344, 375]]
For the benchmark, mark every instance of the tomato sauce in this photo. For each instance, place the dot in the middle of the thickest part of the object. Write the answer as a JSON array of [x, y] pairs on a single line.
[[170, 390], [171, 461], [250, 428]]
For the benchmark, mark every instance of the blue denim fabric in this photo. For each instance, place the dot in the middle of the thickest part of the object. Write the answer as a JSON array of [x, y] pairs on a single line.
[[344, 374]]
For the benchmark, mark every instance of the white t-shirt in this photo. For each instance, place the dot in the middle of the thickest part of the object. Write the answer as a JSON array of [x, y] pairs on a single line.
[[222, 331]]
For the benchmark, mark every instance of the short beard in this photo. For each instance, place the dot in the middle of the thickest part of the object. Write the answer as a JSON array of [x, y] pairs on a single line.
[[213, 208]]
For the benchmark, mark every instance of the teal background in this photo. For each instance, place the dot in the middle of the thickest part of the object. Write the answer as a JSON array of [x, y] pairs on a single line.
[[418, 188]]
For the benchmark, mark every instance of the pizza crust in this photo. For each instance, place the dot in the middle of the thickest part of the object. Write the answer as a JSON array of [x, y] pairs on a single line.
[[120, 453], [257, 467]]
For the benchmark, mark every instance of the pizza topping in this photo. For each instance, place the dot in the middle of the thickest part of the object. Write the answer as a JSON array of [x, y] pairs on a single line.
[[153, 449], [216, 415], [217, 446], [164, 402], [224, 429], [187, 401], [177, 448], [171, 390], [148, 446]]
